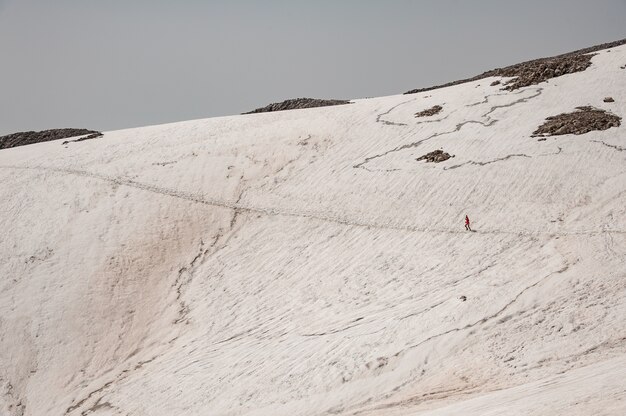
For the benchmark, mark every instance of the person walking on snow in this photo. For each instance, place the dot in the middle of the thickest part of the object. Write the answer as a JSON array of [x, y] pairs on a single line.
[[467, 224]]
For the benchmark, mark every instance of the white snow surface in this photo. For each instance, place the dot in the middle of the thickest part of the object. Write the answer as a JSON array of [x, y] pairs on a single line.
[[304, 263]]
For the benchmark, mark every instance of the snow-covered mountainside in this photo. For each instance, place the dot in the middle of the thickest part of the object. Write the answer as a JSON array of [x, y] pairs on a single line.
[[305, 263]]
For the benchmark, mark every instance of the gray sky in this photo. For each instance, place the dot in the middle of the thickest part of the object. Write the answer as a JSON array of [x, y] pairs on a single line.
[[123, 63]]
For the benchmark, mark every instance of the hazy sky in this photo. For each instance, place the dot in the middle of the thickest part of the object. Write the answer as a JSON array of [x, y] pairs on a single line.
[[122, 63]]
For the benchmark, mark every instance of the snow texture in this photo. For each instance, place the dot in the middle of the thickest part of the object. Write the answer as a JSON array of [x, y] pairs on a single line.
[[304, 263]]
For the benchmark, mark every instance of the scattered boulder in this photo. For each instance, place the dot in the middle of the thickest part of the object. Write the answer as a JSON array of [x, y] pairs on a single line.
[[493, 84], [435, 156], [582, 121], [430, 111], [608, 100], [30, 137], [463, 298], [297, 103], [536, 71]]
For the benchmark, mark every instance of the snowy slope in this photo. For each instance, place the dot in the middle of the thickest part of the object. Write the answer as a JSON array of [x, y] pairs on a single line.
[[303, 263]]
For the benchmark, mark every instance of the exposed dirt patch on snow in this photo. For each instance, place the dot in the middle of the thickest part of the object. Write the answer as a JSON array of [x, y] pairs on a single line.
[[297, 103], [582, 121], [435, 156], [436, 109], [30, 137], [535, 71]]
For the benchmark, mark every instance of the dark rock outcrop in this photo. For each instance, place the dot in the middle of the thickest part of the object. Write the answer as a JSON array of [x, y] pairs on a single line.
[[536, 71], [297, 103], [88, 137], [493, 84], [608, 100], [435, 156], [30, 137], [582, 121], [436, 109]]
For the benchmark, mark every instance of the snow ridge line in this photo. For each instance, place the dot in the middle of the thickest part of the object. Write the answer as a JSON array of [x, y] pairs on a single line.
[[391, 123], [618, 148], [493, 315], [120, 377], [483, 320], [471, 162], [274, 211], [487, 123], [485, 100]]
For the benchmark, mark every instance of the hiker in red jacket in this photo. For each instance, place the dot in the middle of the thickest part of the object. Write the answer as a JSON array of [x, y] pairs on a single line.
[[467, 224]]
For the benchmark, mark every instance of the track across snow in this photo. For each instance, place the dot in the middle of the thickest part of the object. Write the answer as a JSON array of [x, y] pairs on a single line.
[[304, 263]]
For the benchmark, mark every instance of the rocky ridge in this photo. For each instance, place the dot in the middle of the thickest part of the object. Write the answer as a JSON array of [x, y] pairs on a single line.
[[535, 71], [297, 103], [31, 137]]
